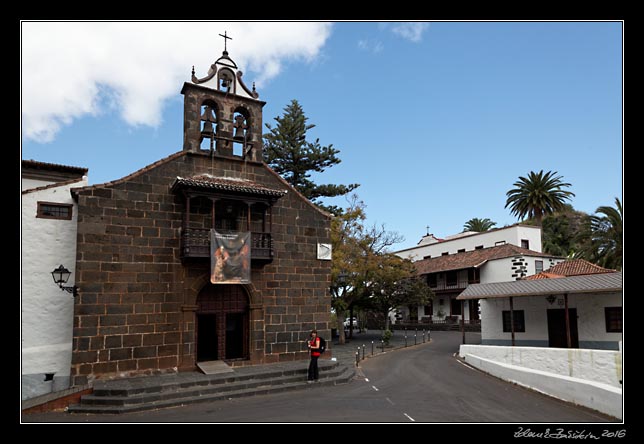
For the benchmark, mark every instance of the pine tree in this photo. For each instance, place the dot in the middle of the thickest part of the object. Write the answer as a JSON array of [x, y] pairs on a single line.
[[287, 151]]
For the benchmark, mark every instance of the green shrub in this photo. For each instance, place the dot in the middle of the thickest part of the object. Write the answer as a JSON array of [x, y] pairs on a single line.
[[386, 336]]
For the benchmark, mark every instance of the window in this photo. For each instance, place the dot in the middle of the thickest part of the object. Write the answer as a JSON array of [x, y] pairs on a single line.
[[462, 250], [478, 247], [456, 307], [525, 243], [431, 280], [428, 309], [429, 256], [450, 278], [538, 266], [51, 210], [473, 276], [613, 319], [519, 321], [499, 243], [445, 253]]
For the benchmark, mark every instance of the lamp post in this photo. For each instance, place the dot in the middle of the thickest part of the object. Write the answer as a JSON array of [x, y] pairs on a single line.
[[61, 276]]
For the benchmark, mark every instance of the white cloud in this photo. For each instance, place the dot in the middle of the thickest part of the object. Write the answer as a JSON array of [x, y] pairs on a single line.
[[412, 31], [70, 70], [374, 46]]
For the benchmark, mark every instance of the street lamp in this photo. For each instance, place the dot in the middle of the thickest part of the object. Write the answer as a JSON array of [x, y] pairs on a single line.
[[342, 278], [61, 276]]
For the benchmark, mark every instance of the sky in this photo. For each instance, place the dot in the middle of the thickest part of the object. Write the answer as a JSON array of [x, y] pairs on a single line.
[[434, 120]]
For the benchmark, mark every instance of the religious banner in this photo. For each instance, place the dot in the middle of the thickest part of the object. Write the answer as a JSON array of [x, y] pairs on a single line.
[[229, 258]]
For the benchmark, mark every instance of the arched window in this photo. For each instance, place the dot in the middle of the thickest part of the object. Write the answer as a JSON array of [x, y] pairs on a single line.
[[241, 135], [226, 81], [208, 124]]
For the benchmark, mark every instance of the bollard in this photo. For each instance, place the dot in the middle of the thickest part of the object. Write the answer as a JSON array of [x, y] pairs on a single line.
[[357, 359], [363, 347], [382, 345], [423, 335], [371, 348], [405, 338], [415, 339], [429, 334]]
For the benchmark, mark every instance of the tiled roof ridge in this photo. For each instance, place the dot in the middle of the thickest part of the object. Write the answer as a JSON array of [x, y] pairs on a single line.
[[475, 258], [53, 185], [136, 173], [574, 267], [53, 166]]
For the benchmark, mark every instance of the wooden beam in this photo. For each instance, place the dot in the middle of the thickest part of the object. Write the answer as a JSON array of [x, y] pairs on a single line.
[[512, 319], [463, 320], [568, 338]]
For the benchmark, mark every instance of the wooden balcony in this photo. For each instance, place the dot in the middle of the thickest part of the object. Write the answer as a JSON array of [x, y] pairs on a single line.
[[195, 243], [461, 284]]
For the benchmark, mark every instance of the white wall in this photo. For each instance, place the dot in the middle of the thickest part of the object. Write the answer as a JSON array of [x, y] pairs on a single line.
[[604, 366], [28, 184], [500, 270], [47, 311], [586, 377], [511, 235], [591, 324]]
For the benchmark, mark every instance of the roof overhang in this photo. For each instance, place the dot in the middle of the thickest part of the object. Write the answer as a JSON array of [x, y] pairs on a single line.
[[596, 284], [226, 186]]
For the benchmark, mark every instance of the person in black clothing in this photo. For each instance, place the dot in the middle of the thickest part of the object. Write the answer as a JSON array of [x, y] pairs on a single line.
[[314, 347]]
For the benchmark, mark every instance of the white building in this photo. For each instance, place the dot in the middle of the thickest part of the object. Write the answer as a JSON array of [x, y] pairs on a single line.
[[524, 236], [582, 311], [453, 263], [48, 240]]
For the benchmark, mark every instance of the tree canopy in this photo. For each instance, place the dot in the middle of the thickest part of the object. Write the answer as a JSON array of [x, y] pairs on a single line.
[[604, 231], [480, 225], [537, 195], [292, 156], [364, 272]]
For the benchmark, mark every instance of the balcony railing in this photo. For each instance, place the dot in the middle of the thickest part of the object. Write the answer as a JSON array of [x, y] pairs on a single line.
[[459, 285], [195, 243]]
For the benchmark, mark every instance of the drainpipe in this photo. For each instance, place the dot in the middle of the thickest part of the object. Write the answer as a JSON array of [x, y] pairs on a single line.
[[512, 319]]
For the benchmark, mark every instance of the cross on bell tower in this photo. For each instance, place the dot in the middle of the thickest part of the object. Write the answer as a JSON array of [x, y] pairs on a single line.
[[225, 36]]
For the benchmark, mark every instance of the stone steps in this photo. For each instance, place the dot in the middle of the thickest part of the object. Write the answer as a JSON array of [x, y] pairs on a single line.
[[147, 393]]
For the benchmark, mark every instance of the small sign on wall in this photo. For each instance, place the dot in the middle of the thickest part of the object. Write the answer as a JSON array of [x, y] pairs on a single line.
[[324, 252]]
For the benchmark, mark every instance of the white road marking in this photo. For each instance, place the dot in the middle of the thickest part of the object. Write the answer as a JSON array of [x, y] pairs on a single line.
[[374, 387], [390, 401], [410, 418], [366, 379]]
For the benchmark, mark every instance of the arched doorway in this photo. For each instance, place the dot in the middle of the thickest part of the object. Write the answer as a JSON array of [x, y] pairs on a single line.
[[222, 323]]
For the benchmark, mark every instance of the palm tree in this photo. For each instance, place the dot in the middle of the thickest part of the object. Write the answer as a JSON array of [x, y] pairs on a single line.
[[480, 225], [605, 230], [537, 195]]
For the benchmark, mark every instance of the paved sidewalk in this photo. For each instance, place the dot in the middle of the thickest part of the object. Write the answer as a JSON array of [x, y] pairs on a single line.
[[346, 353]]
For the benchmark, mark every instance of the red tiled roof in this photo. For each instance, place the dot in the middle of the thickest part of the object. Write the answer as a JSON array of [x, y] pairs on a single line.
[[575, 267], [544, 275], [227, 184], [471, 259], [53, 167]]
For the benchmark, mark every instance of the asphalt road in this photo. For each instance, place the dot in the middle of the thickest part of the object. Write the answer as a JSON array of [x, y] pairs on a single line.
[[424, 383]]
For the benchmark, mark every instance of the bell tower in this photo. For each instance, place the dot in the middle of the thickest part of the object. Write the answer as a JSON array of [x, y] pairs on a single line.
[[221, 115]]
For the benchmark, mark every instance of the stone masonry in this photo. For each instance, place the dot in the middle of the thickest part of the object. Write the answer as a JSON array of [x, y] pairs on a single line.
[[136, 309]]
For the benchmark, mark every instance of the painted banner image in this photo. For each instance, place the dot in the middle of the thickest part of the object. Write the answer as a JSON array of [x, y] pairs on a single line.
[[229, 258]]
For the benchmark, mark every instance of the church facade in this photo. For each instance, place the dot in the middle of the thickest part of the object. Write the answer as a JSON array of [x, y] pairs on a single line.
[[150, 297]]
